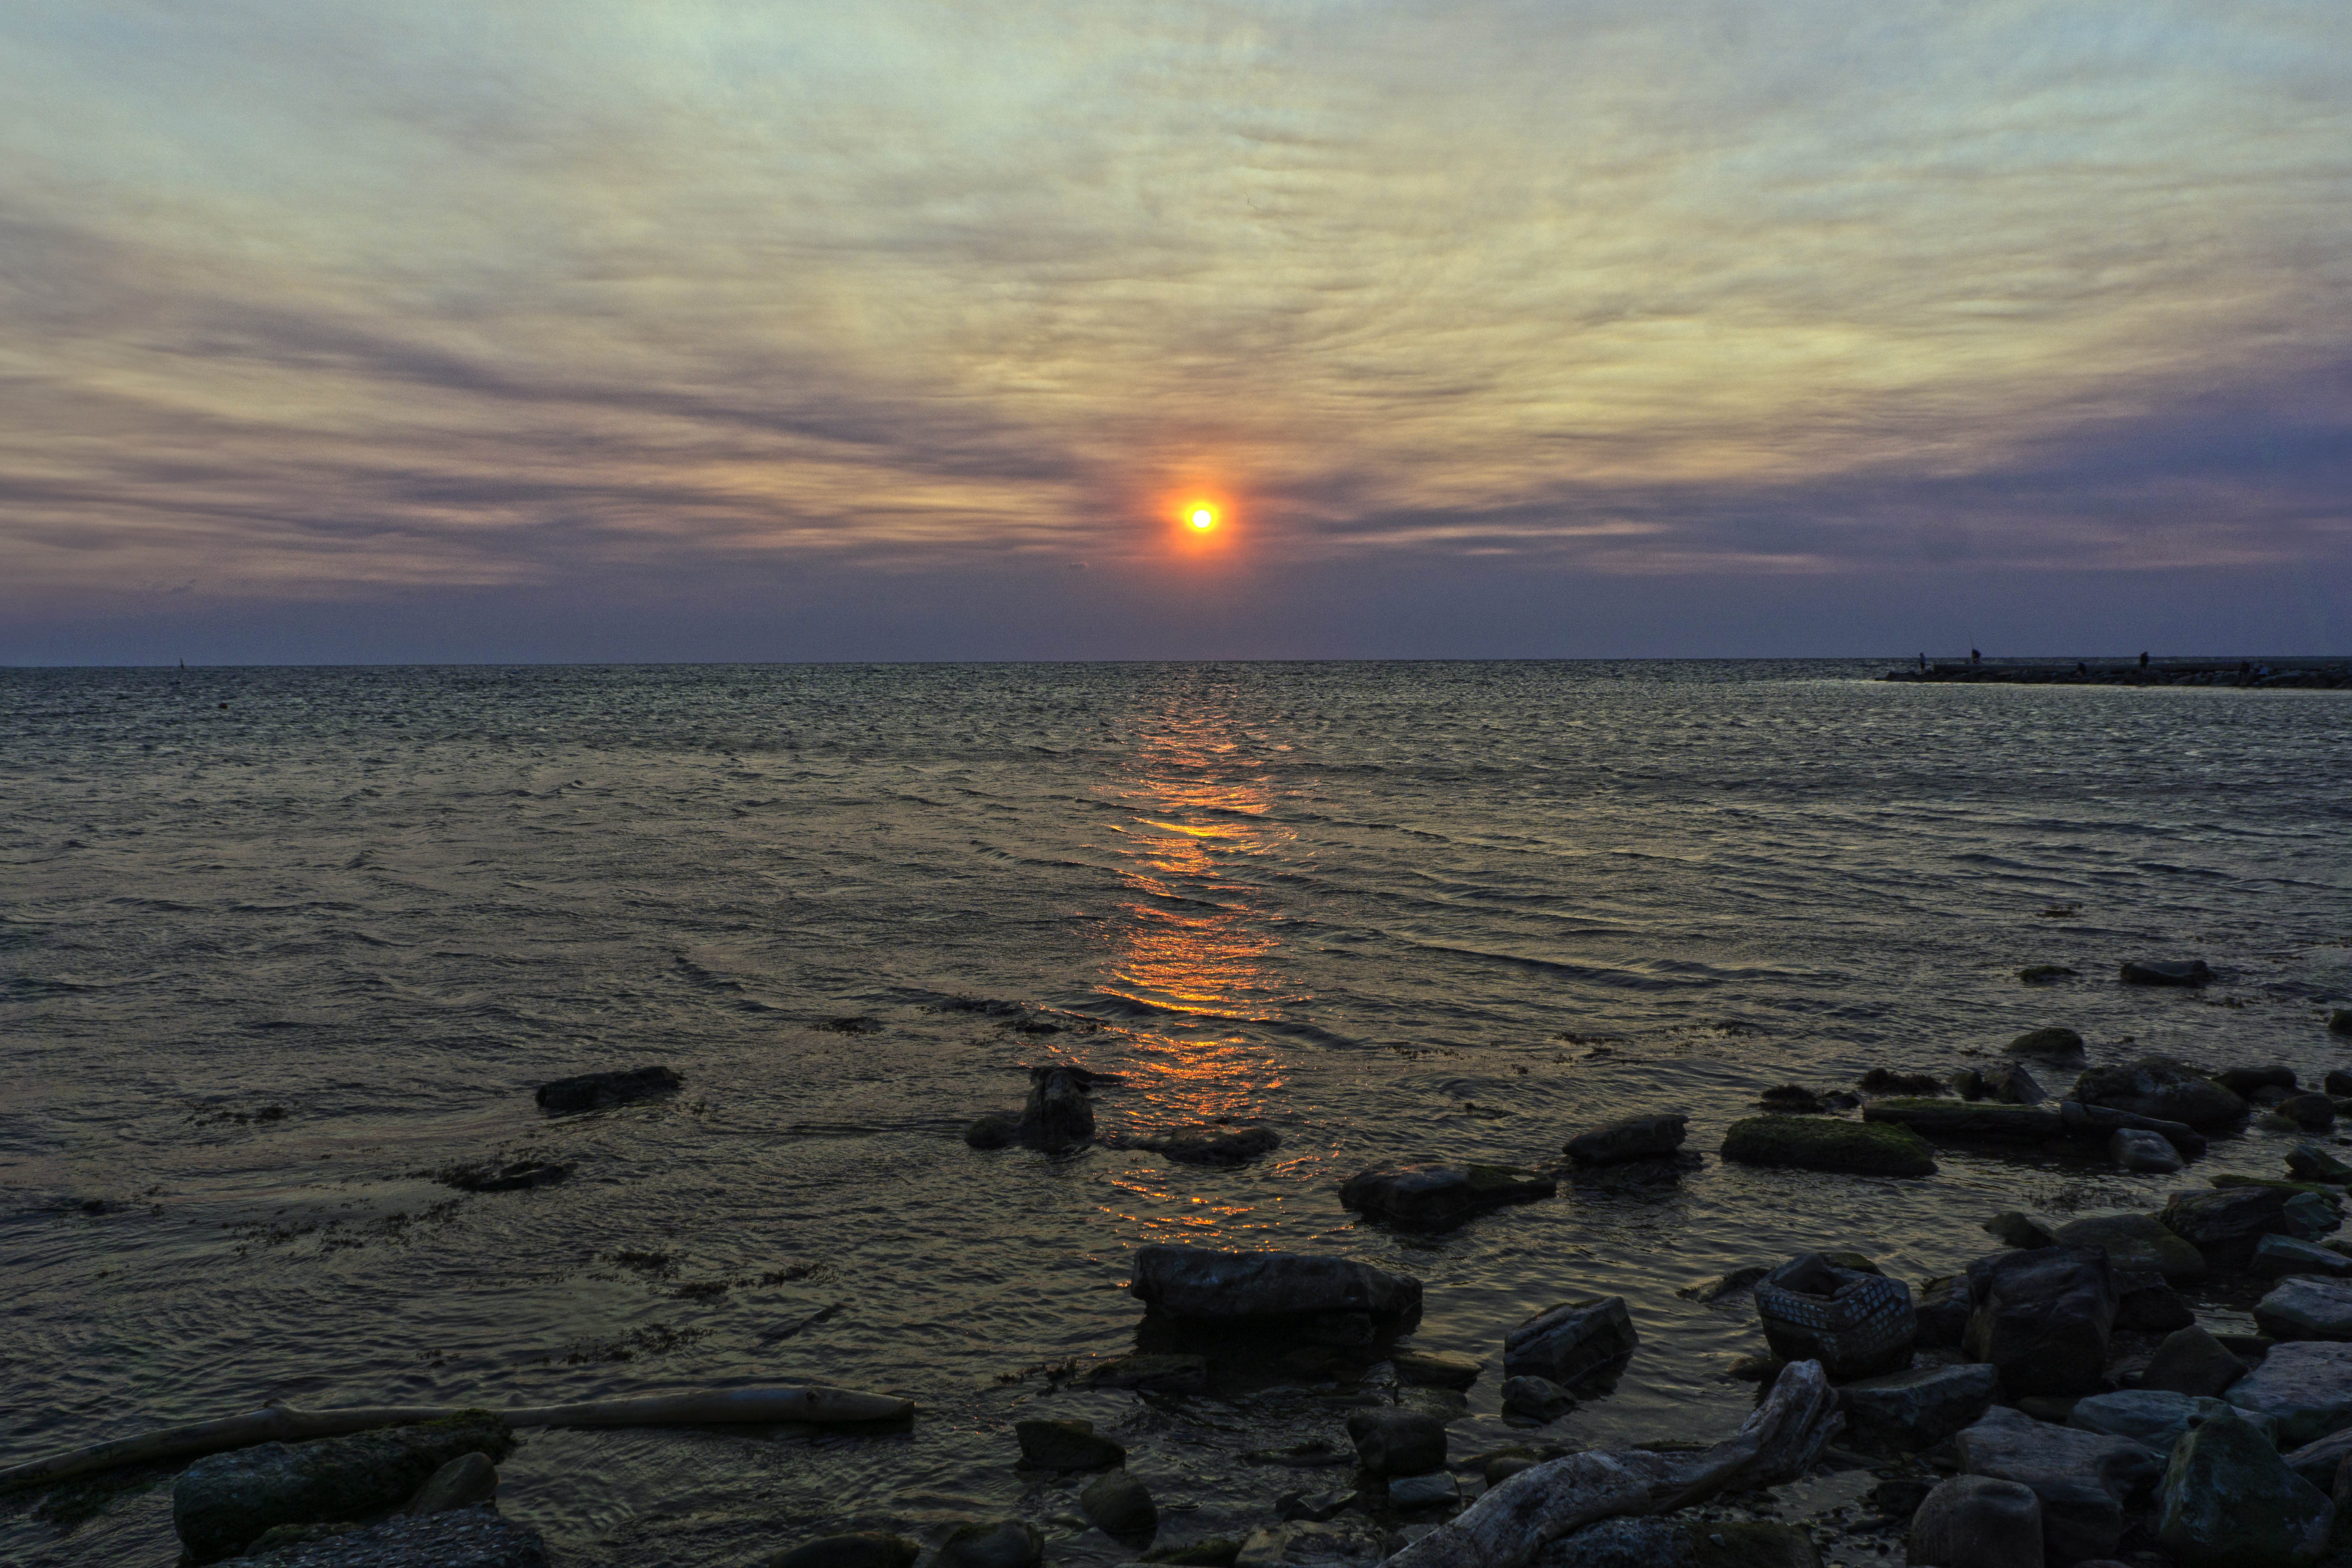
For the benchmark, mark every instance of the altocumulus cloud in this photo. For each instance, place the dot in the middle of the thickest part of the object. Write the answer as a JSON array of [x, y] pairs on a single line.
[[310, 299]]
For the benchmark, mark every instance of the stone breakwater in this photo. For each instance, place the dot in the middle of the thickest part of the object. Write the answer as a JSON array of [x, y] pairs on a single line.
[[2323, 674]]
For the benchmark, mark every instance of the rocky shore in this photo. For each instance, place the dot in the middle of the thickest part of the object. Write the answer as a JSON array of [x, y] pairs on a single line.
[[2320, 674]]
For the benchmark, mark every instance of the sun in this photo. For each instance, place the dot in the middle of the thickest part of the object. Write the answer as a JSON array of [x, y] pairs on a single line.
[[1204, 518]]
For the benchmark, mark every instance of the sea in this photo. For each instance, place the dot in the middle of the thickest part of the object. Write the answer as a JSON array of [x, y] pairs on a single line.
[[279, 946]]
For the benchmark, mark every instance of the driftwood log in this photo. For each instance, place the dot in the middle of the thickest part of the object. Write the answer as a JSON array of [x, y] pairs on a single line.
[[284, 1424], [1506, 1526]]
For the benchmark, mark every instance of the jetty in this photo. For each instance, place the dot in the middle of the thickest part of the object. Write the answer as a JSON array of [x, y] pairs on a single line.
[[2323, 673]]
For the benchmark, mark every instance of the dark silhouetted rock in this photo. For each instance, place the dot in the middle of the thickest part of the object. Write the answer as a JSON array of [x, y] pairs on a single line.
[[2143, 1152], [2311, 1113], [2013, 1227], [1977, 1522], [2101, 1122], [1118, 1504], [2043, 1318], [1820, 1143], [1435, 1369], [1884, 1080], [599, 1090], [2145, 1304], [2225, 1223], [1962, 1122], [2082, 1477], [2341, 1022], [2011, 1084], [2135, 1244], [1537, 1399], [1944, 1306], [2192, 1362], [1059, 1116], [1857, 1325], [1650, 1137], [2153, 971], [1919, 1408], [468, 1479], [995, 1543], [2304, 1387], [1065, 1445], [2161, 1087], [1572, 1340], [1438, 1196], [1212, 1145], [2310, 1162], [2243, 1081], [2228, 1501], [2042, 973], [1969, 1084], [868, 1548], [454, 1538], [1792, 1099], [2056, 1048], [1216, 1552], [1311, 1294], [994, 1130], [504, 1175]]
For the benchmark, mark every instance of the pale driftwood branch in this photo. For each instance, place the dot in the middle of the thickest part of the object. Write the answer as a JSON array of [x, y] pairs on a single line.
[[284, 1424], [1507, 1526]]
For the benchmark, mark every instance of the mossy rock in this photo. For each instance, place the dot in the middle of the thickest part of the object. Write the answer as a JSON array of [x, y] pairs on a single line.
[[1983, 1122], [1825, 1143]]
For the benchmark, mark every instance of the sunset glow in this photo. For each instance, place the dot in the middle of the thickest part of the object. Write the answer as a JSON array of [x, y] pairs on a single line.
[[1203, 518]]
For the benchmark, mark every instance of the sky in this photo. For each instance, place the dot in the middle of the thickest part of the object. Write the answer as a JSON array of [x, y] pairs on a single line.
[[518, 330]]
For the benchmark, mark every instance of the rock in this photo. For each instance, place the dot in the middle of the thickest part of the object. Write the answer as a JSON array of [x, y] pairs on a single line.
[[2145, 1304], [599, 1090], [1792, 1099], [995, 1543], [2278, 1255], [865, 1549], [1309, 1293], [2082, 1477], [2243, 1081], [2192, 1362], [2159, 972], [1537, 1399], [2151, 1417], [1437, 1369], [995, 1130], [2307, 1221], [2134, 1149], [1059, 1116], [2039, 973], [2310, 1162], [2227, 1501], [1921, 1408], [2301, 1307], [1572, 1340], [2339, 1082], [1723, 1285], [1820, 1143], [1961, 1121], [504, 1175], [1622, 1543], [456, 1538], [2011, 1084], [1977, 1521], [1855, 1324], [1351, 1541], [2225, 1224], [2043, 1318], [1438, 1196], [2321, 1462], [1969, 1084], [2311, 1113], [1393, 1441], [1118, 1504], [2161, 1087], [2060, 1047], [1065, 1445], [2013, 1227], [2100, 1122], [1418, 1494], [1162, 1374], [1314, 1506], [2135, 1244], [1216, 1552], [1943, 1305], [2341, 1022], [1212, 1145], [1633, 1175], [462, 1482], [1881, 1080], [1649, 1137], [2305, 1387], [224, 1500]]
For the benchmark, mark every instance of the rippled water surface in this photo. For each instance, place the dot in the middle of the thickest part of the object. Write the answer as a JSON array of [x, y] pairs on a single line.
[[279, 945]]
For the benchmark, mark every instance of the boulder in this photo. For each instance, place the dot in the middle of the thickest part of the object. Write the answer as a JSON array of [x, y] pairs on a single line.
[[1823, 1143], [2278, 1254], [865, 1549], [1792, 1099], [2155, 972], [2339, 1082], [225, 1501], [2058, 1047], [1213, 1145], [1977, 1522], [468, 1479], [1919, 1408], [1572, 1340], [2226, 1223], [1957, 1121], [1943, 1305], [2243, 1081], [599, 1090], [1649, 1137], [2082, 1477], [454, 1538], [2311, 1113], [993, 1544], [2301, 1307], [1437, 1369], [1059, 1116], [2136, 1150], [1439, 1196], [2154, 1419], [1119, 1504], [2011, 1084], [2013, 1227], [2103, 1121], [2192, 1362], [2322, 1461], [2135, 1244], [2228, 1501], [1065, 1445], [2310, 1162], [1969, 1084], [1881, 1081], [2161, 1087], [1351, 1540], [1418, 1494], [1394, 1441], [1857, 1325], [993, 1130], [2145, 1304], [1536, 1399], [2305, 1387], [1313, 1294], [2041, 1318]]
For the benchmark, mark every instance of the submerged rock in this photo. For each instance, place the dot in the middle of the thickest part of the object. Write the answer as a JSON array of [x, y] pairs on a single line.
[[1165, 1373], [2228, 1501], [2135, 1244], [1437, 1369], [2037, 973], [2301, 1307], [868, 1548], [1572, 1340], [1065, 1445], [2157, 971], [1213, 1145], [2043, 1318], [1652, 1137], [1536, 1399], [993, 1130], [456, 1538], [1855, 1323], [1977, 1522], [1883, 1081], [2161, 1087], [1059, 1116], [1275, 1289], [2192, 1362], [1982, 1121], [2014, 1228], [599, 1090], [221, 1502], [1820, 1143], [1437, 1196], [1723, 1285], [2082, 1479], [2060, 1047], [2305, 1387], [1792, 1099], [504, 1175], [1921, 1408]]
